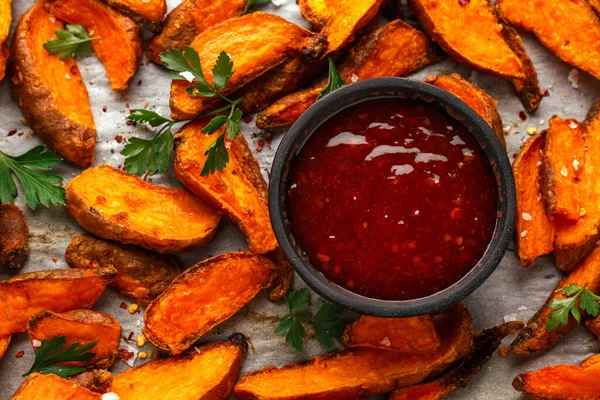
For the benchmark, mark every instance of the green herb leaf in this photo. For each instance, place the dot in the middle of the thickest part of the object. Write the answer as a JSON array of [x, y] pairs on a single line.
[[329, 324], [217, 157], [291, 324], [234, 123], [51, 353], [588, 301], [250, 3], [215, 124], [184, 65], [72, 42], [150, 156], [38, 187], [297, 300], [222, 71], [334, 80], [149, 117]]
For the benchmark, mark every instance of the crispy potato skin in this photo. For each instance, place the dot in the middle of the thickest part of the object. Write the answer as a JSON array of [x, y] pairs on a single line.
[[243, 39], [5, 21], [188, 20], [316, 12], [43, 387], [484, 346], [534, 336], [593, 325], [14, 237], [573, 241], [203, 296], [117, 206], [4, 343], [120, 44], [208, 373], [148, 13], [56, 107], [534, 232], [414, 335], [96, 380], [81, 326], [141, 275], [569, 29], [361, 372], [63, 289]]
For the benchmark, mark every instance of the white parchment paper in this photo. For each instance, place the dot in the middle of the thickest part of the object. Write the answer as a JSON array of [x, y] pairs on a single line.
[[511, 293]]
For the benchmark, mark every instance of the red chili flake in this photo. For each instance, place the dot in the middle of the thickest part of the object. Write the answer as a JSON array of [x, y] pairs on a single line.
[[515, 155], [130, 337], [123, 305], [119, 138], [20, 354], [130, 123], [20, 134], [247, 118], [546, 93], [124, 354], [74, 70], [139, 83], [104, 109], [54, 260], [268, 139], [10, 133], [522, 115], [126, 105], [464, 2], [261, 144], [145, 177]]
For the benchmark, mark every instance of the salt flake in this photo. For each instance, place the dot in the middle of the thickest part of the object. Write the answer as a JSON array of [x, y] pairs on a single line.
[[526, 217], [574, 78], [564, 172], [110, 396]]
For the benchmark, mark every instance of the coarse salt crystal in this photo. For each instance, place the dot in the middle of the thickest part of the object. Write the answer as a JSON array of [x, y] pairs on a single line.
[[110, 396], [524, 233], [331, 237], [354, 78], [539, 163], [564, 172], [417, 212], [386, 342], [67, 75], [574, 78], [576, 164], [400, 222], [187, 75], [572, 125], [197, 350], [526, 217], [36, 343]]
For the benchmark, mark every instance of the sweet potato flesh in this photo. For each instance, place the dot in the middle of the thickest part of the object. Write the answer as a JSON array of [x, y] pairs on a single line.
[[43, 387], [570, 29], [5, 21], [119, 47], [534, 337], [594, 326], [118, 206], [534, 231], [204, 296], [361, 372], [4, 343], [14, 237], [25, 295], [405, 335], [81, 326], [149, 13], [316, 12]]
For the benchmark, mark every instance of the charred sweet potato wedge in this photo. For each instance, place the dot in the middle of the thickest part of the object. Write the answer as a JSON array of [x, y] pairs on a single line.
[[149, 13], [59, 290], [119, 46], [141, 275], [188, 20], [573, 241], [203, 296], [316, 12], [96, 380], [475, 97], [207, 373], [562, 164], [50, 92], [534, 233], [395, 49], [413, 335], [14, 237], [4, 343], [534, 337], [559, 26], [593, 325], [5, 21], [81, 326], [362, 372], [117, 206], [484, 346], [243, 39], [50, 386]]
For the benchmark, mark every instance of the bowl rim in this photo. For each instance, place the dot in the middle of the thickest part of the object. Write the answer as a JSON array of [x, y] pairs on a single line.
[[411, 90]]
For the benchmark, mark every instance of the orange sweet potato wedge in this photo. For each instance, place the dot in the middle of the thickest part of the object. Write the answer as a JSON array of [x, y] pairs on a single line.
[[413, 335], [208, 372], [362, 372], [316, 12], [593, 324], [395, 49], [5, 21], [120, 44], [63, 290], [141, 275], [43, 387], [188, 20], [14, 237], [96, 380], [50, 92], [4, 343], [595, 4], [117, 206], [534, 337], [534, 233], [149, 13], [484, 346], [243, 39], [203, 296], [569, 29], [573, 241]]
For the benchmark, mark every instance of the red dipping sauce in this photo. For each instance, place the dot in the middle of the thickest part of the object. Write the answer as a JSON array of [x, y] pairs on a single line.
[[392, 200]]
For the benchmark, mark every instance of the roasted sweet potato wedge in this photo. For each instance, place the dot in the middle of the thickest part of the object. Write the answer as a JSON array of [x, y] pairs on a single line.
[[188, 20], [404, 335], [141, 275], [96, 380], [475, 97], [117, 206], [203, 296], [81, 326], [4, 343], [595, 4], [50, 92], [119, 46], [243, 39], [316, 12], [559, 26], [362, 372], [593, 325], [149, 13], [395, 49], [534, 233], [59, 290], [207, 373], [14, 237], [43, 387], [484, 346], [534, 337], [573, 241], [591, 362], [5, 21]]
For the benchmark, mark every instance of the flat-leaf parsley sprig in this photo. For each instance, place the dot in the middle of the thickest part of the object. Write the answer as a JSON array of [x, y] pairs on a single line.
[[51, 353], [72, 42], [576, 297]]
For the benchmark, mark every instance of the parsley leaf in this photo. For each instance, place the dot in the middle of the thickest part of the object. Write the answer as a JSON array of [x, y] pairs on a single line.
[[250, 3], [51, 353], [334, 80], [149, 117], [38, 187], [217, 157], [222, 71], [72, 42], [329, 324], [588, 302]]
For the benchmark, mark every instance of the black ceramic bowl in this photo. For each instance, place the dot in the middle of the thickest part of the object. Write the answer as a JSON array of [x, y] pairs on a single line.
[[390, 88]]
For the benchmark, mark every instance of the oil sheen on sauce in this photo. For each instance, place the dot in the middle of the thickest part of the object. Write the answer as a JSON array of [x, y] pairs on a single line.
[[392, 200]]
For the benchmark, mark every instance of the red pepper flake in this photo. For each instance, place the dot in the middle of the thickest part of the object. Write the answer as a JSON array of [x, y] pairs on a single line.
[[74, 70], [515, 155], [546, 93], [119, 138], [130, 123], [522, 115], [268, 139], [247, 118], [54, 260], [464, 2], [104, 109], [145, 177], [20, 134], [20, 354], [130, 337], [125, 355], [139, 83], [126, 105], [123, 305], [261, 144], [10, 133]]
